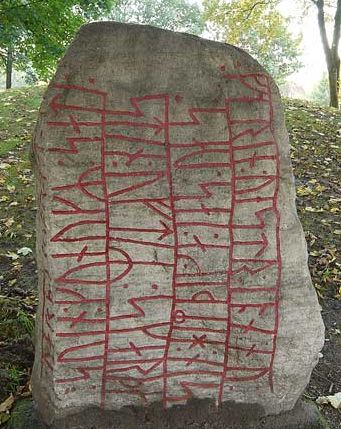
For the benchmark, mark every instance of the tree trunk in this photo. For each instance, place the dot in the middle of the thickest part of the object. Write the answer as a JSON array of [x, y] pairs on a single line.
[[334, 70], [331, 52], [333, 86], [9, 67]]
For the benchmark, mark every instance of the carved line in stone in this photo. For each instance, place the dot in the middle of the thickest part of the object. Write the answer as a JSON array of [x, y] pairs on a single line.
[[93, 184]]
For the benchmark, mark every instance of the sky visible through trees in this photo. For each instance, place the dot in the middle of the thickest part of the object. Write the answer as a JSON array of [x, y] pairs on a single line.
[[312, 56]]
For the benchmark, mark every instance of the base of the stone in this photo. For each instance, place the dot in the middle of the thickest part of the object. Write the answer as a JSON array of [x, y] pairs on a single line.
[[196, 415]]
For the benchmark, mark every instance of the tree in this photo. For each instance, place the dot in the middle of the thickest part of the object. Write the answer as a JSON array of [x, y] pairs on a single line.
[[260, 29], [331, 50], [36, 33], [320, 93], [176, 15]]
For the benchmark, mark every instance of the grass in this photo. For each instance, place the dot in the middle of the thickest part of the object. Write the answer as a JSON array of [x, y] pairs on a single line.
[[15, 376], [16, 322], [18, 295], [315, 137], [8, 146]]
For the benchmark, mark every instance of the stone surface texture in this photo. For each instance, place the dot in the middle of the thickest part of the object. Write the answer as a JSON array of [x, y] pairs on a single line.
[[172, 264]]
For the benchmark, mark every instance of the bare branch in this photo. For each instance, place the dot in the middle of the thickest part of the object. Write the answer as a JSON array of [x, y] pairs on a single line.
[[253, 7]]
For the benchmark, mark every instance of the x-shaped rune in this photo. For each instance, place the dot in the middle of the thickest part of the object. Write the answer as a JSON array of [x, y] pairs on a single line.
[[198, 341]]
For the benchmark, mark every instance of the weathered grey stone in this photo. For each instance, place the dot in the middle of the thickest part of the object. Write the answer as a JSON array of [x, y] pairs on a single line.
[[172, 264]]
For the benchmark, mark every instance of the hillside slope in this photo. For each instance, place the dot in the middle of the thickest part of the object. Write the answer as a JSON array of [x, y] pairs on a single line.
[[315, 135]]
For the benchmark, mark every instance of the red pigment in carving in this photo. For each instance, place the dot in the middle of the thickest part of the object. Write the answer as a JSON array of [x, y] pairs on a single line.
[[186, 220]]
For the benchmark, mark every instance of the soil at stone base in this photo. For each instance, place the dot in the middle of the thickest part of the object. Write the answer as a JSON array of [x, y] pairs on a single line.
[[318, 190], [326, 376]]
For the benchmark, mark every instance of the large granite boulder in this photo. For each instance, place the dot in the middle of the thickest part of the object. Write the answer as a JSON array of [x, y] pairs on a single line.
[[172, 264]]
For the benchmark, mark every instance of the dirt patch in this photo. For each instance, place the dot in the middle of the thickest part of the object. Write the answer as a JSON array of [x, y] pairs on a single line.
[[326, 377]]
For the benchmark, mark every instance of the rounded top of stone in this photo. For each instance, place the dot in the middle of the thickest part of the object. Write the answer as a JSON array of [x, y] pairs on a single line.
[[115, 27]]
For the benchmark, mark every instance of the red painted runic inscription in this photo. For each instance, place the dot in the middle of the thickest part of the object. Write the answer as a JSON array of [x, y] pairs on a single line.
[[165, 241]]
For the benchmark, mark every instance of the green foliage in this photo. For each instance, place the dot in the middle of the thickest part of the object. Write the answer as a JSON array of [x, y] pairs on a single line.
[[176, 15], [37, 32], [260, 29], [320, 93]]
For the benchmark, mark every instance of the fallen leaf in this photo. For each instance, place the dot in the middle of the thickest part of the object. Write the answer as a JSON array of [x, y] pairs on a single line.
[[313, 210], [9, 222], [24, 251], [10, 188], [12, 255], [333, 400], [7, 404], [301, 191]]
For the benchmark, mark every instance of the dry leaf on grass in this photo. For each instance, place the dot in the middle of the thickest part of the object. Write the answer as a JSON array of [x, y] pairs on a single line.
[[333, 400], [7, 404], [5, 408]]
